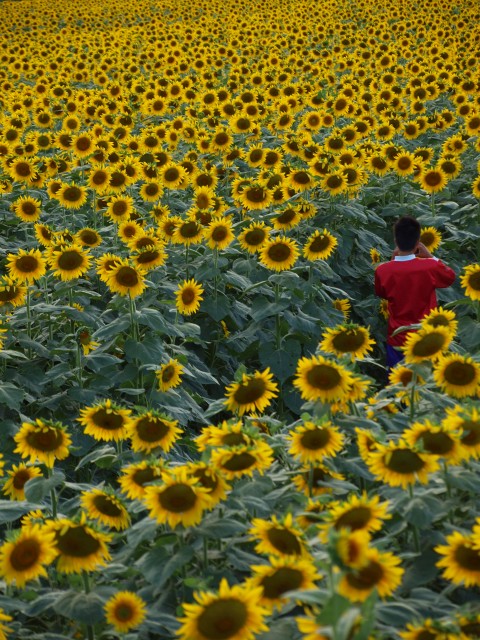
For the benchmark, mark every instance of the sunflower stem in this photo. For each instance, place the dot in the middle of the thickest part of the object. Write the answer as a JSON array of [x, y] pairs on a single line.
[[416, 540], [133, 325], [205, 554], [187, 255], [215, 266], [53, 498], [310, 481], [29, 324], [432, 204], [278, 337], [87, 587], [79, 365], [412, 396]]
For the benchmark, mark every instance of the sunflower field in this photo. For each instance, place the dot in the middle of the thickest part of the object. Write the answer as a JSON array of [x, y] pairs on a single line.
[[199, 436]]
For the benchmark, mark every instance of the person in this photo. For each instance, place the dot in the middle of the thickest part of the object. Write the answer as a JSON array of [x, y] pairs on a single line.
[[409, 282]]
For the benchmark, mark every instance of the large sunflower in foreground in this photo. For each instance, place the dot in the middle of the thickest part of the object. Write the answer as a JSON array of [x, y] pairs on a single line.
[[440, 317], [347, 339], [320, 245], [282, 575], [228, 434], [70, 261], [80, 547], [231, 614], [152, 429], [437, 439], [431, 238], [427, 344], [279, 254], [43, 441], [188, 296], [124, 611], [456, 375], [18, 476], [105, 421], [125, 279], [278, 537], [399, 465], [381, 571], [318, 378], [253, 237], [24, 558], [235, 462], [27, 208], [105, 507], [210, 478], [26, 266], [470, 281], [252, 394], [179, 499], [311, 442], [11, 292], [135, 477], [357, 513], [461, 559], [169, 375]]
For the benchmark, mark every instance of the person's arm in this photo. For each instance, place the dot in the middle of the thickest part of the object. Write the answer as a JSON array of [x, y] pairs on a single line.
[[443, 276], [379, 290]]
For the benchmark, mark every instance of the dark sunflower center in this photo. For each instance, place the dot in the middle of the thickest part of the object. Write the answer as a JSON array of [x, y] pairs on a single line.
[[438, 321], [323, 376], [222, 619], [70, 260], [8, 293], [143, 476], [471, 629], [89, 237], [117, 179], [467, 558], [425, 634], [406, 377], [77, 542], [147, 256], [152, 189], [189, 229], [348, 341], [315, 439], [279, 252], [168, 373], [46, 440], [188, 296], [459, 373], [437, 443], [177, 498], [171, 175], [287, 216], [256, 194], [255, 237], [471, 433], [284, 541], [404, 163], [221, 138], [83, 144], [219, 234], [107, 506], [256, 155], [233, 439], [250, 391], [207, 481], [203, 201], [427, 238], [27, 264], [430, 344], [23, 169], [29, 208], [379, 163], [283, 580], [336, 143], [25, 554], [320, 243], [301, 177], [107, 420], [20, 478], [239, 462], [433, 178], [124, 612], [72, 194], [474, 281], [404, 461], [127, 277], [355, 518], [366, 578], [120, 207], [151, 429]]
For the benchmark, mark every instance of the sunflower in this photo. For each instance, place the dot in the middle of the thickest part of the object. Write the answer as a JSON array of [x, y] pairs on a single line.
[[44, 234], [432, 180], [169, 375], [318, 378], [467, 421], [11, 292], [24, 558], [99, 179], [149, 258], [476, 186], [427, 630], [26, 266], [105, 421], [228, 434], [43, 441], [287, 219], [310, 628], [125, 611], [72, 196], [351, 547], [22, 169], [70, 262], [151, 191], [335, 183], [172, 176], [253, 393], [436, 439], [3, 628], [404, 163], [311, 442], [233, 613], [320, 245], [235, 462], [125, 279], [375, 256], [18, 476], [135, 477], [105, 264], [253, 237], [426, 344], [219, 233], [381, 572], [151, 430], [129, 230], [254, 196], [79, 546], [343, 305], [105, 507], [188, 232], [278, 537], [439, 317], [461, 559], [280, 576], [179, 499], [357, 513], [279, 254], [120, 208], [470, 281], [88, 237], [315, 480], [458, 376], [84, 338], [27, 208], [400, 465], [211, 479], [347, 339], [188, 296], [430, 237]]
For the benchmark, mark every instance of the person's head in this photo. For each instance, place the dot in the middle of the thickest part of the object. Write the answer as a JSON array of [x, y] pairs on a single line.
[[407, 233]]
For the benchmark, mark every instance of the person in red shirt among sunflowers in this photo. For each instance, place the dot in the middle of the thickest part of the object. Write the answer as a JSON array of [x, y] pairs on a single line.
[[409, 282]]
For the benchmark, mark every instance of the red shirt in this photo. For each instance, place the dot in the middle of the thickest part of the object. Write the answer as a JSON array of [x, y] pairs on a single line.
[[409, 286]]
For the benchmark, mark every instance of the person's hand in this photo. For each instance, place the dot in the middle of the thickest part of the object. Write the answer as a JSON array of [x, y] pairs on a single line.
[[422, 251]]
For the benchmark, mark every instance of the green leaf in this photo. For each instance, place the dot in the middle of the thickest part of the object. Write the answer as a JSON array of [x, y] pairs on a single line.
[[98, 361], [217, 308], [282, 362], [262, 308], [107, 452], [158, 565], [86, 608], [9, 512], [112, 329], [11, 395], [37, 488]]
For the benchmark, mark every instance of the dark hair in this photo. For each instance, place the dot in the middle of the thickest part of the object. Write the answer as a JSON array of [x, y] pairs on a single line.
[[407, 233]]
